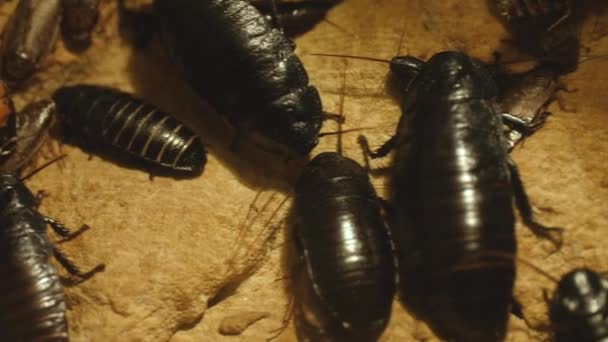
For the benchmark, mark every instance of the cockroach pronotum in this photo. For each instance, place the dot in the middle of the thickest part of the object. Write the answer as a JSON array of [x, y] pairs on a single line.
[[452, 187], [345, 247], [32, 128], [579, 308], [235, 59], [79, 19], [28, 37], [295, 17], [98, 115], [32, 307]]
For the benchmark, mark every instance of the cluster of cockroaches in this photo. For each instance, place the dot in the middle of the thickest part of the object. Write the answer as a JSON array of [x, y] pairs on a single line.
[[449, 244]]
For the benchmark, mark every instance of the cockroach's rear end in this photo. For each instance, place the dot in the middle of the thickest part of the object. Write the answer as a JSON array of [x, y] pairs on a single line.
[[97, 115]]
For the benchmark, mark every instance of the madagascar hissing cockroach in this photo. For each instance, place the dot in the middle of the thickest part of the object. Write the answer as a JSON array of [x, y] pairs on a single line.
[[345, 246], [525, 99], [295, 17], [79, 19], [32, 128], [32, 306], [579, 308], [235, 59], [95, 115], [28, 37], [451, 212]]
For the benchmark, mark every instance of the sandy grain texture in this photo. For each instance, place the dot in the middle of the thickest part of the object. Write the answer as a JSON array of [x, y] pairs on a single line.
[[175, 250]]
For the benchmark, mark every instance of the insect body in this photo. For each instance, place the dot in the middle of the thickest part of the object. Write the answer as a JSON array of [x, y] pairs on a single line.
[[248, 70], [579, 308], [32, 307], [452, 188], [296, 17], [99, 115], [8, 129], [28, 37], [79, 18], [32, 127], [345, 245]]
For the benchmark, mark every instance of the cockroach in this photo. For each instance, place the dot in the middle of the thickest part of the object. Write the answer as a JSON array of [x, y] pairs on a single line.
[[32, 129], [579, 308], [79, 19], [525, 100], [295, 17], [345, 246], [96, 115], [234, 58], [452, 186], [28, 37], [547, 30], [32, 307]]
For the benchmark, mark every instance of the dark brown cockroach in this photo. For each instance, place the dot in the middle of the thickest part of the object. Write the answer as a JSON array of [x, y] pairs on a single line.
[[235, 59], [547, 30], [345, 247], [32, 128], [95, 115], [28, 37], [525, 99], [295, 17], [452, 187], [79, 19], [32, 306], [579, 308]]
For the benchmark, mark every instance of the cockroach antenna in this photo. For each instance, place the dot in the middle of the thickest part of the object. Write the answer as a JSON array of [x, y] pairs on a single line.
[[43, 166]]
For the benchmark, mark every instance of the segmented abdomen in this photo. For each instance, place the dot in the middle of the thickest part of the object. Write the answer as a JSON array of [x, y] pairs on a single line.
[[32, 307], [102, 115], [347, 249]]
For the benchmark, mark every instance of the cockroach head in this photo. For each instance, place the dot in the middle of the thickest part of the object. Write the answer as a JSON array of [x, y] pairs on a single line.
[[581, 292], [13, 193], [406, 69]]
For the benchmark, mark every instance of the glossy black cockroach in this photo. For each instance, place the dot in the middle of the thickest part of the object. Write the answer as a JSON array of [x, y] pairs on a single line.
[[79, 19], [579, 308], [345, 246], [99, 115], [452, 187], [32, 128], [28, 37], [32, 307], [295, 17], [235, 59]]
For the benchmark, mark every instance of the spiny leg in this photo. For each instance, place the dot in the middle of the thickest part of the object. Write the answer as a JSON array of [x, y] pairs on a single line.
[[62, 231], [553, 234], [73, 269]]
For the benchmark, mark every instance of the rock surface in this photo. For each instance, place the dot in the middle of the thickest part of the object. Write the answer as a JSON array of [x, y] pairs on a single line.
[[183, 256]]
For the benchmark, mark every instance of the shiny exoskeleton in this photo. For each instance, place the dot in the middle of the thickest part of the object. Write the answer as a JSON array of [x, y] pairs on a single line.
[[96, 115], [452, 188], [32, 129], [525, 100], [345, 246], [579, 307], [32, 306], [296, 17], [234, 58], [28, 37], [79, 19]]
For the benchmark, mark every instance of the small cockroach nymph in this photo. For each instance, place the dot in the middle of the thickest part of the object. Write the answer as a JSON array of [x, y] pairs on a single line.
[[99, 116], [233, 57]]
